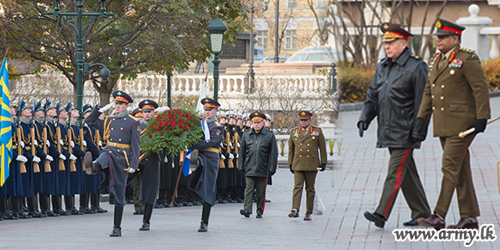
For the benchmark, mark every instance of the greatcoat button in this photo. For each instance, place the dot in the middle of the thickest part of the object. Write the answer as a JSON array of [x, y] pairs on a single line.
[[442, 97], [433, 108], [442, 86], [442, 109]]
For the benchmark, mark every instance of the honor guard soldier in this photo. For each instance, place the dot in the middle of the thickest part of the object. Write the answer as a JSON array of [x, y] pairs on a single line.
[[394, 97], [136, 179], [92, 137], [204, 178], [121, 154], [52, 178], [150, 169], [305, 143], [457, 94]]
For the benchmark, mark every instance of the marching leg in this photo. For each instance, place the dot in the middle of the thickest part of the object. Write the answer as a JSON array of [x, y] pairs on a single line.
[[117, 230], [205, 214], [148, 211]]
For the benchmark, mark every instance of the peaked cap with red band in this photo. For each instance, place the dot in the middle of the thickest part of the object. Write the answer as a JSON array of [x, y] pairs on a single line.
[[257, 116], [147, 105], [445, 27], [392, 32], [305, 115], [120, 96], [209, 103]]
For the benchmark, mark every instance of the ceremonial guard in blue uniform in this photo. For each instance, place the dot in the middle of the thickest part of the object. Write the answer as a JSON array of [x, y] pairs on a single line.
[[204, 178], [121, 155], [24, 139], [38, 142], [150, 168]]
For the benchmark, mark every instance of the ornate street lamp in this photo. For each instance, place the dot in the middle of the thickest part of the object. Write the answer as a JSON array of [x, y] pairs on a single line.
[[79, 40], [251, 72], [216, 29]]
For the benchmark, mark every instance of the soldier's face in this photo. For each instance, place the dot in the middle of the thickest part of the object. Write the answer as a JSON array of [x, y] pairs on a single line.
[[51, 113], [258, 126], [395, 48], [121, 107], [249, 123], [304, 123], [27, 113], [447, 42], [267, 123], [232, 121], [75, 113], [39, 114], [238, 123], [63, 115], [148, 115], [210, 113]]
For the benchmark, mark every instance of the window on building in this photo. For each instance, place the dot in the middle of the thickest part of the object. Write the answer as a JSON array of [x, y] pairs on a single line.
[[321, 3], [262, 39], [290, 39], [291, 4]]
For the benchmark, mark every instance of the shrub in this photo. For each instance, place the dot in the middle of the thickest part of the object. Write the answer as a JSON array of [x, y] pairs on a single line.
[[354, 83], [491, 70]]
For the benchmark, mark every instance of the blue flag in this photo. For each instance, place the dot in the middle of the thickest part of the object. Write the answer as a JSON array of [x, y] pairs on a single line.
[[5, 124], [186, 167]]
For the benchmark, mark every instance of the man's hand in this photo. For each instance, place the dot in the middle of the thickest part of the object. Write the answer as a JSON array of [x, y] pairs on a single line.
[[72, 157], [36, 159], [222, 156], [362, 126], [322, 167], [291, 169], [21, 158], [62, 157], [107, 107], [48, 157], [131, 171], [61, 142], [100, 143], [421, 130], [479, 126]]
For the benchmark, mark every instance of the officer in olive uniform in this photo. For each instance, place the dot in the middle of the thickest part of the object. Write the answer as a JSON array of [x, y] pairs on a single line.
[[303, 159], [150, 169], [203, 180], [121, 154], [457, 94], [394, 97]]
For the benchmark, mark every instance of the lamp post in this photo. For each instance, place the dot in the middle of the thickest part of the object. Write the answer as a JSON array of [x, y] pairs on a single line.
[[251, 72], [216, 29], [79, 40], [276, 36]]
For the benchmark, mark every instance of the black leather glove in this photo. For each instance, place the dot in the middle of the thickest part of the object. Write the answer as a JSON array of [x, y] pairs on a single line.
[[270, 174], [362, 126], [323, 167], [420, 133], [241, 172], [291, 169], [479, 126]]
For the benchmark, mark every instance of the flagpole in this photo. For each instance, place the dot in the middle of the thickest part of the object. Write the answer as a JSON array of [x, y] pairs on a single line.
[[6, 53]]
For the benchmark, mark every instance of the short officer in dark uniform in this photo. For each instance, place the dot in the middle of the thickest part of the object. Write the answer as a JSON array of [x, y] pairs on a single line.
[[121, 154], [457, 94], [394, 97], [204, 178], [150, 169]]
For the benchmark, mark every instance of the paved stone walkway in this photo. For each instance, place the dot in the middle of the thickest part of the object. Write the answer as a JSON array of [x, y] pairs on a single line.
[[352, 187]]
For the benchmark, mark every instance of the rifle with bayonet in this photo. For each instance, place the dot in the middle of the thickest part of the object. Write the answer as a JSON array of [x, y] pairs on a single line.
[[45, 147], [59, 139], [22, 167], [36, 168], [81, 138], [70, 136]]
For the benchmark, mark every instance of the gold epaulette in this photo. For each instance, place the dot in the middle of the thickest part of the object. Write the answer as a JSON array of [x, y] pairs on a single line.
[[218, 124], [467, 50]]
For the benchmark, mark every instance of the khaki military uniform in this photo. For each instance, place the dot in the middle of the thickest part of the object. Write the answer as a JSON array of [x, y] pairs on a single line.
[[306, 152], [457, 94]]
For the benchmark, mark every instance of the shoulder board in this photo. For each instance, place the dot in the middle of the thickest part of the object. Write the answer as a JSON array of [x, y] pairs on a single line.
[[467, 50], [415, 56], [136, 119], [218, 124]]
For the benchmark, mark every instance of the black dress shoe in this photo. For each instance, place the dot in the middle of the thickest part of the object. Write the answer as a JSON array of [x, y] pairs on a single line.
[[245, 213], [187, 204], [60, 212], [145, 227], [87, 210], [10, 216], [51, 214], [22, 215], [117, 232], [411, 223], [36, 214], [74, 211], [99, 209], [203, 227], [158, 205], [138, 212], [258, 216], [268, 200], [378, 219]]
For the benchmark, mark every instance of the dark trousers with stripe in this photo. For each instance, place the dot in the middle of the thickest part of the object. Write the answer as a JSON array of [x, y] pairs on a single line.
[[259, 185], [402, 174]]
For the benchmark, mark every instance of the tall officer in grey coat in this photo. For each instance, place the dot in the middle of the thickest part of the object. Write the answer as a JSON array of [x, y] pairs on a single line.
[[121, 154], [394, 97], [204, 178], [150, 169], [258, 160]]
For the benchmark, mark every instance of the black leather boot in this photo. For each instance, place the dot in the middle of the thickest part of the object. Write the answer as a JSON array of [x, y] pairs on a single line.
[[84, 204], [17, 210], [148, 211], [205, 214], [117, 230], [57, 205]]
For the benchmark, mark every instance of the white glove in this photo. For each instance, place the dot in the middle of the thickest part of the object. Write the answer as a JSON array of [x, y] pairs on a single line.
[[84, 143], [36, 159], [100, 143], [21, 158], [221, 144], [72, 157], [61, 142], [72, 144], [47, 143], [131, 170], [22, 144], [237, 155], [48, 157], [230, 144], [62, 157], [35, 142], [165, 159], [107, 107], [222, 157], [161, 109], [231, 156], [238, 144]]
